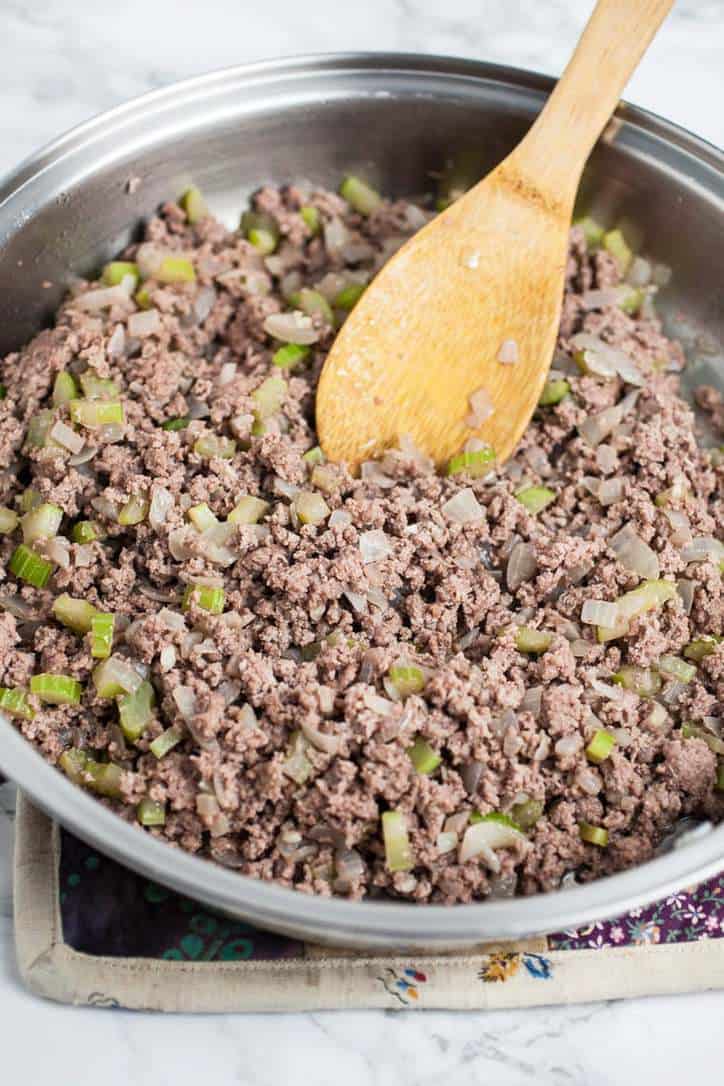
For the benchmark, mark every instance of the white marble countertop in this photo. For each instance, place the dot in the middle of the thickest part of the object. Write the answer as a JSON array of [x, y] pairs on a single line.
[[64, 60]]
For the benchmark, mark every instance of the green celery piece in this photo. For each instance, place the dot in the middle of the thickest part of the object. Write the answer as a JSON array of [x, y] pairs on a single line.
[[142, 298], [702, 647], [30, 567], [64, 388], [134, 511], [175, 269], [642, 680], [56, 689], [593, 835], [136, 711], [600, 746], [42, 522], [592, 231], [615, 244], [554, 391], [207, 598], [3, 392], [676, 668], [314, 456], [311, 508], [495, 816], [165, 742], [201, 516], [348, 296], [398, 851], [269, 396], [194, 205], [407, 679], [248, 510], [534, 641], [96, 413], [423, 757], [359, 195], [176, 424], [98, 388], [525, 815], [76, 614], [29, 499], [475, 463], [261, 230], [313, 304], [311, 218], [535, 498], [151, 813], [211, 446], [116, 271], [289, 356], [15, 702], [102, 625], [85, 531]]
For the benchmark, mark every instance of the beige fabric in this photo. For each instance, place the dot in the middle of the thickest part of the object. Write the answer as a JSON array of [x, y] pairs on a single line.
[[485, 978]]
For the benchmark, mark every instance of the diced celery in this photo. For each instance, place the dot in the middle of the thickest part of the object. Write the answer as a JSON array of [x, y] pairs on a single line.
[[175, 269], [719, 786], [38, 429], [194, 205], [526, 814], [134, 511], [9, 520], [248, 510], [142, 298], [676, 668], [206, 597], [407, 679], [261, 230], [85, 531], [398, 851], [269, 396], [289, 356], [30, 567], [592, 231], [632, 300], [29, 499], [615, 244], [677, 492], [150, 812], [166, 741], [310, 651], [475, 463], [56, 689], [314, 456], [42, 523], [311, 218], [649, 596], [73, 763], [533, 641], [15, 702], [600, 746], [593, 835], [361, 196], [697, 731], [176, 424], [76, 614], [116, 271], [106, 681], [102, 626], [98, 388], [311, 508], [136, 711], [312, 303], [3, 392], [348, 296], [105, 778], [642, 680], [96, 413], [212, 446], [703, 646], [202, 517], [64, 388], [423, 757], [535, 498]]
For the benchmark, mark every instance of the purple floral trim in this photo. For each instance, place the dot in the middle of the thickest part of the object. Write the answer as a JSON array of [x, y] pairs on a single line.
[[694, 913]]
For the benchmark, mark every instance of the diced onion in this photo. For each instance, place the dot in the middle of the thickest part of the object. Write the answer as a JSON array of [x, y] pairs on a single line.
[[521, 567], [145, 323], [67, 437], [463, 507], [160, 506], [599, 613], [508, 352], [329, 744], [634, 555], [293, 327], [703, 549], [481, 408], [374, 546], [484, 837]]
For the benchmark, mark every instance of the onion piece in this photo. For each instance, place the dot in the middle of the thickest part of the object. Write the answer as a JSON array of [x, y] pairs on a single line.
[[522, 566], [508, 352], [329, 744], [634, 555], [66, 436], [292, 327], [160, 506], [481, 408], [145, 323], [463, 507], [597, 427], [703, 549], [484, 837], [599, 613], [374, 546]]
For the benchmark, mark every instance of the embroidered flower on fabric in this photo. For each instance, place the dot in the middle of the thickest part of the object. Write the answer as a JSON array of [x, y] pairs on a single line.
[[617, 934], [403, 985], [645, 933]]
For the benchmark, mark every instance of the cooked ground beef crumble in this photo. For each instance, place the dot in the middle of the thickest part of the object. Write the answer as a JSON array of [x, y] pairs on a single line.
[[377, 647]]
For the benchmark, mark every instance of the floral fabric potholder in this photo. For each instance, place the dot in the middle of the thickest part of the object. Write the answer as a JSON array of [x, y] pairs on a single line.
[[90, 931]]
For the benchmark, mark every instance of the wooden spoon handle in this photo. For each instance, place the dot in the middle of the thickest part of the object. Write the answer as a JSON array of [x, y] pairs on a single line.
[[555, 150]]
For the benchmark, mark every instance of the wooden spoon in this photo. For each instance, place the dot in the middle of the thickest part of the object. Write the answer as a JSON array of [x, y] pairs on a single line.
[[427, 333]]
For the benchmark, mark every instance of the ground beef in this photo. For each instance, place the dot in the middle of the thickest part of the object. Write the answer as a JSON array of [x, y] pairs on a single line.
[[293, 731]]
